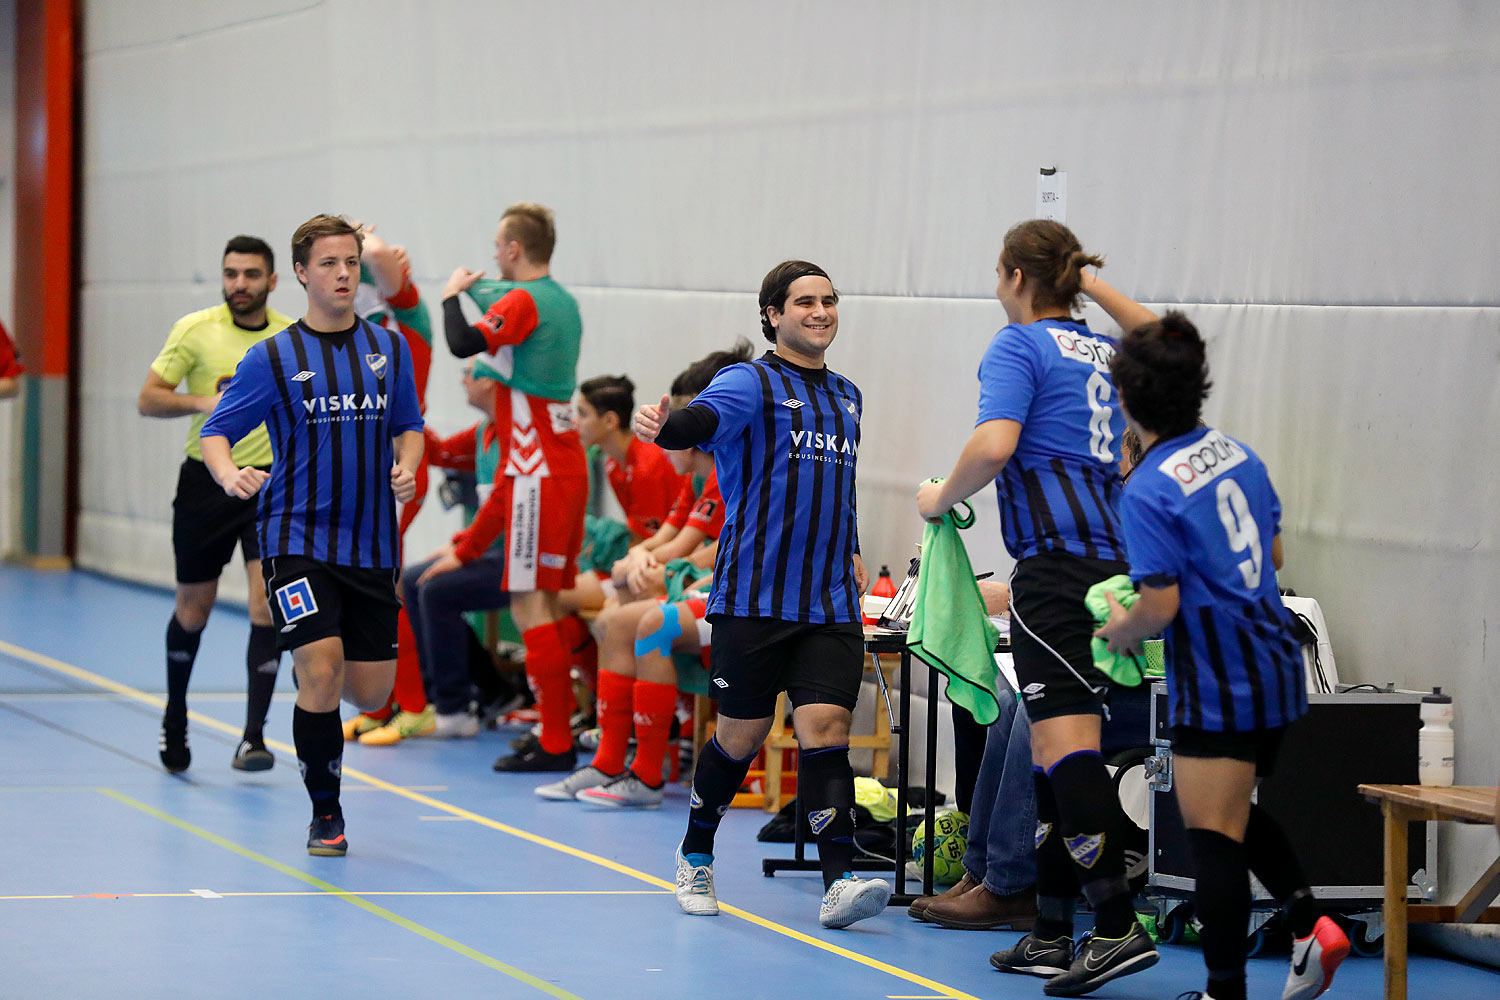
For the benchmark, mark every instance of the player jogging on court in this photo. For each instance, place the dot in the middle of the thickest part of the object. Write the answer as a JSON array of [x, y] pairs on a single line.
[[339, 400]]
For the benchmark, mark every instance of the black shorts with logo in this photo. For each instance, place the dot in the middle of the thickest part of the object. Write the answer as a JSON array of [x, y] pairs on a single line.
[[1260, 747], [1051, 634], [755, 659], [312, 600], [207, 523]]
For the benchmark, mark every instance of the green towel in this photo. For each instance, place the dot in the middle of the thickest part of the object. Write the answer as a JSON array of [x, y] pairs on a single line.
[[604, 543], [949, 627], [1128, 671]]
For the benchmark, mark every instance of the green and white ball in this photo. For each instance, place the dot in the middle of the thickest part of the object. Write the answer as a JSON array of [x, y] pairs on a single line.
[[950, 839]]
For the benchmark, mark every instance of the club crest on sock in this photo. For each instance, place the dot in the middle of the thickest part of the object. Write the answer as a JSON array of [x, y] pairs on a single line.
[[819, 820], [1086, 848]]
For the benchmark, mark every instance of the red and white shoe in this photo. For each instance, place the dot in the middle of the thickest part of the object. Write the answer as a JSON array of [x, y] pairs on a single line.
[[1315, 958]]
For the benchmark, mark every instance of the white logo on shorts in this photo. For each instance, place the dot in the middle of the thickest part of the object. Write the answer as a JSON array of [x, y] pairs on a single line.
[[1033, 691], [721, 682]]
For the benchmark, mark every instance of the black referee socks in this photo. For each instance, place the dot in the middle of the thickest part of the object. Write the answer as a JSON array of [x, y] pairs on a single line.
[[825, 783], [319, 738], [262, 660], [182, 650], [1091, 826]]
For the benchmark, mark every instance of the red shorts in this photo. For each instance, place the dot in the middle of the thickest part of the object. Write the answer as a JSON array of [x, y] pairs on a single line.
[[546, 530]]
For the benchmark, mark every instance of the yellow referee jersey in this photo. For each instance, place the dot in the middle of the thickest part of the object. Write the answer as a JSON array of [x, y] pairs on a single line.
[[203, 350]]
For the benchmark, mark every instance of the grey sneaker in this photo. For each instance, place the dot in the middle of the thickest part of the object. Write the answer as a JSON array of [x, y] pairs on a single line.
[[454, 725], [695, 886], [1098, 960], [567, 789], [851, 899], [625, 792], [1033, 956]]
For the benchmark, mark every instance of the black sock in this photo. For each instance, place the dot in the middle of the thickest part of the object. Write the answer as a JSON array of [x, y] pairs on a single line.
[[262, 660], [1090, 818], [182, 650], [715, 782], [826, 786], [1223, 907], [1056, 881], [319, 738], [1273, 861]]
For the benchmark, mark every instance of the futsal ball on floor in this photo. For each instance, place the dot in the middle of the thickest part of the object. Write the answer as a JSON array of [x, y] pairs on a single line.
[[950, 839]]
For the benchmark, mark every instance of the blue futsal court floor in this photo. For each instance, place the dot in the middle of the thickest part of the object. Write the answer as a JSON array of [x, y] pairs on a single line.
[[124, 881]]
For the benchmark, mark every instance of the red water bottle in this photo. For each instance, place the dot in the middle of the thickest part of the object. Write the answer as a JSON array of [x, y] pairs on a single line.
[[884, 587]]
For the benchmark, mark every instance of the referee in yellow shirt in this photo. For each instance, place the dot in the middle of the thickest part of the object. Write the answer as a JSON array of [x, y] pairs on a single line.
[[201, 354]]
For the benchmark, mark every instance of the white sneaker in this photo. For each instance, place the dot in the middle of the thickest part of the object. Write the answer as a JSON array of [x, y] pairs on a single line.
[[1315, 958], [455, 725], [852, 898], [695, 888], [567, 789], [625, 792]]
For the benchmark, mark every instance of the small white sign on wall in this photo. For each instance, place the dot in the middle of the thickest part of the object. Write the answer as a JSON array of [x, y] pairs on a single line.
[[1052, 194]]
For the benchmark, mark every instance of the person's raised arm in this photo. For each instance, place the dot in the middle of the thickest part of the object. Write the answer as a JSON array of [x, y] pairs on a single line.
[[9, 387], [160, 398], [985, 454], [1125, 311]]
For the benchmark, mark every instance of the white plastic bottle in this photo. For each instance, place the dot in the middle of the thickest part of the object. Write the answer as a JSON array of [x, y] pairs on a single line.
[[1435, 740]]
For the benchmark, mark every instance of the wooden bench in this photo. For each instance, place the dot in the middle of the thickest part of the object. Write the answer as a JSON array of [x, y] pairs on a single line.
[[1403, 804]]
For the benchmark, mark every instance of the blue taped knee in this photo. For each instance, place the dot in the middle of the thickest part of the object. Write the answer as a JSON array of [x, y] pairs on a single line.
[[661, 640]]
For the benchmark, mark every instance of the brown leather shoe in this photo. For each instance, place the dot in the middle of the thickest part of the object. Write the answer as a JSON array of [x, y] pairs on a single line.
[[918, 908], [981, 910]]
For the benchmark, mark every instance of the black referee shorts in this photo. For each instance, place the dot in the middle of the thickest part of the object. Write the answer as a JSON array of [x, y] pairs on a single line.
[[207, 523], [1051, 634], [312, 600], [754, 659]]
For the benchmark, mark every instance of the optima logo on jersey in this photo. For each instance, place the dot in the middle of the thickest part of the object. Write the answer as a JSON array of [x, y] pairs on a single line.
[[1196, 465], [1081, 347]]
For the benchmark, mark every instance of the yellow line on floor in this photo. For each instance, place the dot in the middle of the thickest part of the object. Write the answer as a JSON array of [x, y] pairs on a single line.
[[348, 897], [352, 892], [88, 677]]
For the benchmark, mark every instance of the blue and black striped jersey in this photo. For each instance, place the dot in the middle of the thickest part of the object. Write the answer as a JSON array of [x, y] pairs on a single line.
[[785, 451], [332, 403], [1200, 512], [1061, 488]]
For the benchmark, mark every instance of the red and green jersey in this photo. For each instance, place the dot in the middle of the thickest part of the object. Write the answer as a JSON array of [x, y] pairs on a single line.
[[532, 332]]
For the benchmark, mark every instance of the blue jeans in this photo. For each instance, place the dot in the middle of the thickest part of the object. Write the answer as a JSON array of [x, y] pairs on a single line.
[[435, 611], [1002, 823]]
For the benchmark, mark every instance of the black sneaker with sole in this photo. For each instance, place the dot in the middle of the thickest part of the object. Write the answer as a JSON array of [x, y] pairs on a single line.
[[252, 756], [325, 837], [526, 742], [1097, 960], [1034, 957], [172, 746], [536, 760]]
